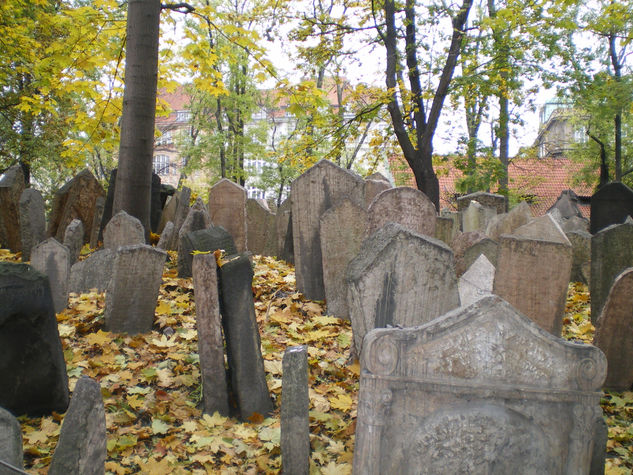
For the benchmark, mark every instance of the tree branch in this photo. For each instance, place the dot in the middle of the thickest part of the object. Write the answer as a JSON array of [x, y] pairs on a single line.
[[177, 7]]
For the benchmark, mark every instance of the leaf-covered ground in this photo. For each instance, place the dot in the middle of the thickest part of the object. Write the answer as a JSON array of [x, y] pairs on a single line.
[[151, 384]]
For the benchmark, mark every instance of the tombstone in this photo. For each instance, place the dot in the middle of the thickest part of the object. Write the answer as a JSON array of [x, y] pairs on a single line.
[[77, 199], [74, 239], [567, 205], [10, 442], [477, 217], [246, 365], [445, 229], [610, 205], [295, 404], [506, 223], [215, 396], [575, 224], [133, 291], [169, 211], [11, 188], [203, 240], [123, 230], [313, 193], [94, 272], [533, 268], [489, 200], [96, 222], [32, 221], [464, 241], [477, 281], [480, 390], [406, 206], [52, 259], [373, 188], [485, 246], [82, 439], [261, 228], [399, 278], [283, 221], [197, 218], [581, 256], [166, 191], [377, 176], [166, 237], [343, 229], [614, 333], [32, 366], [227, 207]]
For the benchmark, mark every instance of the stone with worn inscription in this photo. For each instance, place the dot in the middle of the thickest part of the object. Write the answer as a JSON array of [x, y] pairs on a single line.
[[52, 259], [32, 221], [123, 230], [490, 200], [261, 228], [480, 390], [399, 278], [74, 239], [477, 281], [227, 207], [406, 206], [94, 272]]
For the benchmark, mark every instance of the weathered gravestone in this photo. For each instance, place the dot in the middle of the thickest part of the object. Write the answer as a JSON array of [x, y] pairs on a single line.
[[506, 223], [313, 193], [197, 218], [52, 259], [82, 440], [295, 404], [489, 200], [32, 221], [614, 333], [477, 281], [462, 242], [176, 210], [283, 221], [10, 442], [167, 236], [610, 205], [246, 365], [567, 205], [343, 229], [133, 291], [203, 240], [94, 272], [581, 256], [11, 188], [378, 177], [95, 232], [533, 268], [261, 228], [74, 239], [406, 206], [215, 396], [77, 199], [373, 188], [227, 207], [611, 253], [480, 390], [32, 366], [399, 278], [485, 246], [445, 229], [123, 230], [477, 217]]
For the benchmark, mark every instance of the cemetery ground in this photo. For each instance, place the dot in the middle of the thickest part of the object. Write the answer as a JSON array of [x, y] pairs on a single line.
[[152, 393]]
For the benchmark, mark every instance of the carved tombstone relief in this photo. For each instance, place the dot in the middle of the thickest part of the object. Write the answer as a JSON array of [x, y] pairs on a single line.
[[227, 208], [480, 390], [406, 206]]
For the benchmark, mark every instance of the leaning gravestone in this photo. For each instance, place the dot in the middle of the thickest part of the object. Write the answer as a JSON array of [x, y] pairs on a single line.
[[53, 260], [610, 205], [477, 281], [476, 217], [215, 396], [406, 206], [480, 390], [283, 222], [203, 240], [133, 291], [533, 268], [166, 237], [313, 193], [581, 256], [10, 442], [227, 207], [94, 272], [82, 440], [11, 188], [614, 333], [32, 221], [123, 230], [32, 366], [343, 229], [197, 218], [243, 346], [74, 239], [399, 278], [490, 200], [506, 223], [261, 228], [611, 253]]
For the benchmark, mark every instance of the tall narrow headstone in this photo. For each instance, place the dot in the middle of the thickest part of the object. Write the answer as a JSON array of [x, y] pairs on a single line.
[[480, 390], [399, 278], [477, 281], [53, 260], [133, 291], [313, 193], [96, 222], [74, 239], [227, 207], [94, 272], [261, 228], [581, 256], [215, 396], [610, 205], [406, 206], [123, 230], [283, 220], [82, 440], [32, 221], [32, 366], [295, 404], [11, 188], [343, 229], [246, 365], [490, 200], [10, 442], [614, 333]]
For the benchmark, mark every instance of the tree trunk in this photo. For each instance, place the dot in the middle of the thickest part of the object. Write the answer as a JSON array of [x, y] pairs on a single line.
[[134, 176]]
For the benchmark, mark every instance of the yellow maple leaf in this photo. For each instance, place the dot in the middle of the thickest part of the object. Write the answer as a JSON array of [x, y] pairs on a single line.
[[215, 420], [333, 468], [342, 402], [100, 338], [163, 308], [156, 467]]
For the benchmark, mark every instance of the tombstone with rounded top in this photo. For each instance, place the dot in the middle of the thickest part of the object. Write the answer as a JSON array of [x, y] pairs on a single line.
[[227, 208], [52, 259], [74, 239], [403, 205], [123, 230]]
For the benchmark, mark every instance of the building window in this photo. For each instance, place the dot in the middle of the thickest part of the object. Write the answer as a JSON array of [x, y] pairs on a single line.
[[165, 138], [161, 165], [183, 116]]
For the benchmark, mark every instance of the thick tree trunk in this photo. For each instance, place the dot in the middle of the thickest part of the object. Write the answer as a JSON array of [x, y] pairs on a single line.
[[134, 177]]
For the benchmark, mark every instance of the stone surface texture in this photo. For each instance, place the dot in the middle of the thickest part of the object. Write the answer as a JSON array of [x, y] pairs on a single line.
[[506, 223], [52, 259], [610, 205], [227, 207], [261, 228], [477, 281], [10, 441], [94, 272], [283, 222], [490, 200], [485, 246], [123, 230], [477, 217], [204, 240], [408, 207], [32, 221], [74, 239], [581, 256], [11, 188], [373, 188]]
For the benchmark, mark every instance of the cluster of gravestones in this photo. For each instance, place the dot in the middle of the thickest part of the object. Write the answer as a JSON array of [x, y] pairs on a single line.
[[455, 317]]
